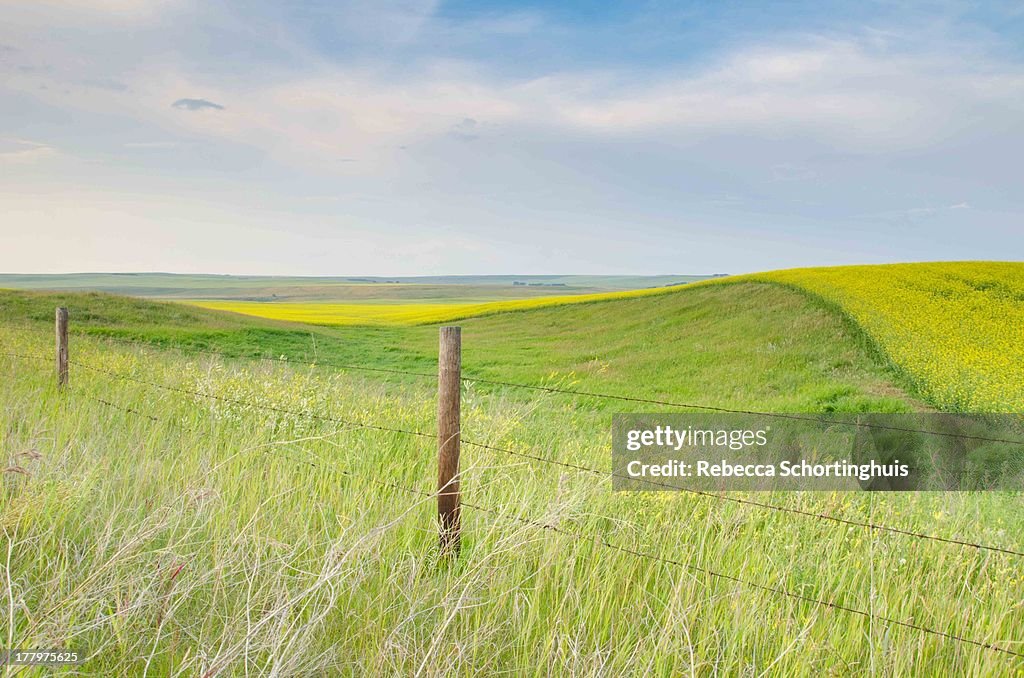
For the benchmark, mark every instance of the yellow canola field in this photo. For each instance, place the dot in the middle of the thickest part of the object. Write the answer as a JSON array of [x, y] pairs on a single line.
[[406, 314], [955, 329]]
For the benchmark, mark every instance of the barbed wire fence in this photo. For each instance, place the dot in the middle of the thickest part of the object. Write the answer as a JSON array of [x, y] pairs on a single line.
[[448, 492]]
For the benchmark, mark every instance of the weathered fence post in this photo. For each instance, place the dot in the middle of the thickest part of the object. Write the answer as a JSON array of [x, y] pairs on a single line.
[[449, 383], [62, 346]]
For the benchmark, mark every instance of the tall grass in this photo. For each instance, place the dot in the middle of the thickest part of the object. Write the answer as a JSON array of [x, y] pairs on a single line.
[[225, 539]]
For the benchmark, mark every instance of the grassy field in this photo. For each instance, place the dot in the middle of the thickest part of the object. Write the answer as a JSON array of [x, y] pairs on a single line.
[[204, 541]]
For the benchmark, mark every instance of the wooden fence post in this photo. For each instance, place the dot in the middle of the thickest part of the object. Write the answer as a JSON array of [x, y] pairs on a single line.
[[62, 346], [449, 387]]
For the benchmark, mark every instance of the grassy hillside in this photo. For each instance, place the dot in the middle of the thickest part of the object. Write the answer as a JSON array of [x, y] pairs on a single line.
[[728, 345], [216, 532]]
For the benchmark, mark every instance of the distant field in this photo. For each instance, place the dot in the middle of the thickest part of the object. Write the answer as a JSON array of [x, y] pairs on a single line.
[[339, 289], [399, 313]]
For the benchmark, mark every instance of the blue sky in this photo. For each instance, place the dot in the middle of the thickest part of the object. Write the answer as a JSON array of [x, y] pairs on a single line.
[[419, 137]]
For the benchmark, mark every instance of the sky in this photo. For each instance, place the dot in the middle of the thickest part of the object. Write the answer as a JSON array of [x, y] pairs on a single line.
[[423, 137]]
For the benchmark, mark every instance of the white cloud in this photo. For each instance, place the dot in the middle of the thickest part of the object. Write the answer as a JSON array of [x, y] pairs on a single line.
[[914, 213], [152, 144], [841, 94], [792, 171], [851, 95], [118, 9], [22, 151]]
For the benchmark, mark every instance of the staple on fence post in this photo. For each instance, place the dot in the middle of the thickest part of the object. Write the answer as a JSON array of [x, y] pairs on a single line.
[[449, 383], [62, 346]]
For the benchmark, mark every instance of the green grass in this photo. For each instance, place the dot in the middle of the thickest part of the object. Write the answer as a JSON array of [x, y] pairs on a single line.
[[728, 345], [202, 541]]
